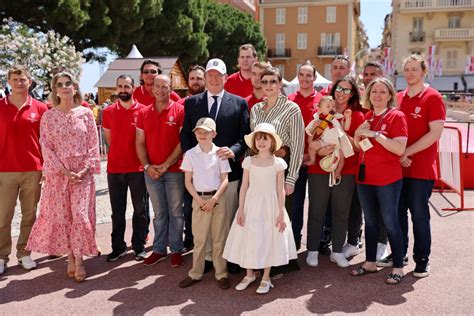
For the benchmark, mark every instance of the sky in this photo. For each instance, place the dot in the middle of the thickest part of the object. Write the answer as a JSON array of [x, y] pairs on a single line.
[[372, 15]]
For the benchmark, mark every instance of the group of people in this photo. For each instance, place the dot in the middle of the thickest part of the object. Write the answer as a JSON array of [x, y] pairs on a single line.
[[227, 169]]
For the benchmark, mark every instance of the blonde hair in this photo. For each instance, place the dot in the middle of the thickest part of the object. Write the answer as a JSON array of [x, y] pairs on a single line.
[[418, 58], [254, 150], [326, 98], [18, 70], [55, 100], [366, 104]]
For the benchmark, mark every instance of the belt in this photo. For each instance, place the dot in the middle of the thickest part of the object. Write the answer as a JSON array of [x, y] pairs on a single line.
[[206, 193]]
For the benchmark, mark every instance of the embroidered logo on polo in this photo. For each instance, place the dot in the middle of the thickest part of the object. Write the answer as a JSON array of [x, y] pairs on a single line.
[[33, 117], [383, 127], [171, 120], [417, 112]]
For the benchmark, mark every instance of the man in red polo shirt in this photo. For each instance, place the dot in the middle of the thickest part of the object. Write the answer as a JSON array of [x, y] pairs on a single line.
[[124, 171], [159, 151], [196, 82], [239, 83], [20, 164], [340, 67], [425, 113], [307, 99], [144, 93], [257, 94]]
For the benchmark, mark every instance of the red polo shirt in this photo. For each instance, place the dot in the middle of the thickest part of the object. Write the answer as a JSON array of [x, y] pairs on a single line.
[[252, 100], [161, 132], [19, 136], [350, 163], [420, 110], [121, 123], [236, 84], [145, 98], [308, 107], [381, 166]]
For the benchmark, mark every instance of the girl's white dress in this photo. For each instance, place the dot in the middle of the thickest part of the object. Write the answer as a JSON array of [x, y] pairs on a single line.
[[259, 244]]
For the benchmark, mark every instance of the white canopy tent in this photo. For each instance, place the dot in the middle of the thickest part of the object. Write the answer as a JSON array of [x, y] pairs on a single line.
[[292, 86]]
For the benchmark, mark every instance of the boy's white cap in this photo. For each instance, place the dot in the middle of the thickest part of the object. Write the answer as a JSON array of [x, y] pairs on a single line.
[[265, 128], [206, 123], [216, 64]]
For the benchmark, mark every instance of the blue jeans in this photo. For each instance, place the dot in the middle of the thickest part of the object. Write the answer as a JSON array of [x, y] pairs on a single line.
[[166, 196], [297, 207], [382, 202], [415, 196]]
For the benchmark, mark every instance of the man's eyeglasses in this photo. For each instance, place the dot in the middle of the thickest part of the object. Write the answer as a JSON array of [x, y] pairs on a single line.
[[346, 91], [271, 82], [66, 84], [151, 71]]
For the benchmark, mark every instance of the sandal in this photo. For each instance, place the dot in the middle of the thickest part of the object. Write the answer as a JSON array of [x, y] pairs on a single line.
[[80, 273], [359, 271], [71, 268], [393, 279]]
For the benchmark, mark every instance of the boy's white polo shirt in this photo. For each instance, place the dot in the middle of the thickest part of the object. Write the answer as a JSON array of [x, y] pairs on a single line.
[[206, 168]]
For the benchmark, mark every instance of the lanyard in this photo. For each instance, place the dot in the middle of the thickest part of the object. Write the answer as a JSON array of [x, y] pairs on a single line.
[[376, 126]]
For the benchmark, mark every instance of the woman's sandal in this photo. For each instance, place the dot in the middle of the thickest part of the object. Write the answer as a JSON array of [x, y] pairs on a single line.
[[359, 271], [71, 268], [393, 279], [80, 273]]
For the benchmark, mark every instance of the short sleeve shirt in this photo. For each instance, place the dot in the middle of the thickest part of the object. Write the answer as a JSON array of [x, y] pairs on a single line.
[[122, 123], [19, 136], [142, 96], [206, 168], [238, 85], [161, 132], [420, 110], [381, 166], [252, 100]]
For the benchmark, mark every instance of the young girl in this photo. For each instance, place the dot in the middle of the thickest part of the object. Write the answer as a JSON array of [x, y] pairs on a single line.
[[261, 235]]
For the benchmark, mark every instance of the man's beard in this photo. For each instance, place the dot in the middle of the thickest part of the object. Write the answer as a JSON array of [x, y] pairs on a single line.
[[124, 96], [195, 89]]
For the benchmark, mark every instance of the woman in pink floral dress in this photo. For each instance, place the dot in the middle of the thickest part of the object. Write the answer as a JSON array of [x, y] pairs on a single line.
[[66, 221]]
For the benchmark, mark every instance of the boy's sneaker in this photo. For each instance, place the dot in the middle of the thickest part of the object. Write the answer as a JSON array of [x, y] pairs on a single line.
[[27, 263], [140, 256], [312, 258], [422, 268], [3, 266], [115, 255], [388, 261], [350, 251], [339, 259], [381, 251], [176, 259], [154, 258]]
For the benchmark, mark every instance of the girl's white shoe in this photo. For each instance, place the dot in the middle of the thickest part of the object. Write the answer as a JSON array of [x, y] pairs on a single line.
[[246, 281], [264, 287]]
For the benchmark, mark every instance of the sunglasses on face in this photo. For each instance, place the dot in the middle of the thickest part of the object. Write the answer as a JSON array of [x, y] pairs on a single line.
[[66, 84], [346, 91], [271, 82], [152, 71]]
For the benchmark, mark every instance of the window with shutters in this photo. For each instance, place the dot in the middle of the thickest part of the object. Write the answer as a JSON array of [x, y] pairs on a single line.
[[331, 15], [280, 16], [303, 15], [302, 39], [451, 57], [280, 43], [454, 22]]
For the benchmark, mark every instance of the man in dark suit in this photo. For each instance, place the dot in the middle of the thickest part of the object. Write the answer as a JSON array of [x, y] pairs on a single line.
[[231, 116]]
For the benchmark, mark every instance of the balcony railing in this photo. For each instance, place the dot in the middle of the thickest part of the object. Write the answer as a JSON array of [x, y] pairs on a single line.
[[279, 53], [430, 5], [329, 50], [454, 34], [417, 37]]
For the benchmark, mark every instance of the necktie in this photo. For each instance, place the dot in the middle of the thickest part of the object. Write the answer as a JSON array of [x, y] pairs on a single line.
[[213, 111]]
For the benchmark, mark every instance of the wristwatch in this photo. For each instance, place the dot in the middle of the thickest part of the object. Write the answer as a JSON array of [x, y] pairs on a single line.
[[377, 134], [146, 166]]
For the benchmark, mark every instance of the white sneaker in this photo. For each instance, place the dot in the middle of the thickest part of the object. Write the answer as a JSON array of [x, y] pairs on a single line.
[[3, 266], [312, 258], [27, 263], [264, 287], [350, 251], [381, 251], [339, 258], [246, 281]]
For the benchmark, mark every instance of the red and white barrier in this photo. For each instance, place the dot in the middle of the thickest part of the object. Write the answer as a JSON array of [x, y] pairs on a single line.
[[451, 164]]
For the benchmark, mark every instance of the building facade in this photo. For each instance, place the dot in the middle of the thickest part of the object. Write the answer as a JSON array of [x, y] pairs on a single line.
[[317, 30], [448, 25]]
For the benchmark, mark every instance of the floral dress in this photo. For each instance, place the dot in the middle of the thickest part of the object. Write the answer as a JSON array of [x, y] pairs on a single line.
[[66, 221]]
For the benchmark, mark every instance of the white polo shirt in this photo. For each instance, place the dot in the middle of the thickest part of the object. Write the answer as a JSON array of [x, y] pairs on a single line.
[[206, 168]]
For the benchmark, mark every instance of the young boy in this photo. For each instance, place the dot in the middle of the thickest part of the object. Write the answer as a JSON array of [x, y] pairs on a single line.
[[206, 180]]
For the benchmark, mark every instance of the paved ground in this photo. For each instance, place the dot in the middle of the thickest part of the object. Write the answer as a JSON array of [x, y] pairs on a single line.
[[127, 287]]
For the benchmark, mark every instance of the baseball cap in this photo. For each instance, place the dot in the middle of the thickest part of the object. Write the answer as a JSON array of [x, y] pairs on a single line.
[[216, 64], [206, 123]]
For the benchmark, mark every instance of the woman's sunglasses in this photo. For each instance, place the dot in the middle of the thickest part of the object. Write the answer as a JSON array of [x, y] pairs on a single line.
[[346, 91]]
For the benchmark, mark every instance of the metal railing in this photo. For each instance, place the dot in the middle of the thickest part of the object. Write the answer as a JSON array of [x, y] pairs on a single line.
[[417, 37], [277, 52], [454, 33], [329, 50], [436, 4]]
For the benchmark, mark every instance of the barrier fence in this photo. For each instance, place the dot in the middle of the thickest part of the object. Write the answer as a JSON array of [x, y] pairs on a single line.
[[450, 164], [103, 147]]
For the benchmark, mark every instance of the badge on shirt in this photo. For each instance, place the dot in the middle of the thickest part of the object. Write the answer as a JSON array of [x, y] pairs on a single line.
[[33, 117], [365, 144], [171, 121], [417, 112]]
